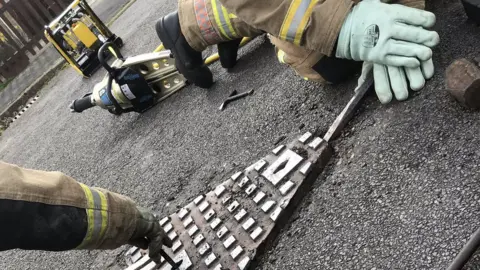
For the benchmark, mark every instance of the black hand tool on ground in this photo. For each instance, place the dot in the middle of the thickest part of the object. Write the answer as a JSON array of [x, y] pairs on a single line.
[[234, 96], [173, 264]]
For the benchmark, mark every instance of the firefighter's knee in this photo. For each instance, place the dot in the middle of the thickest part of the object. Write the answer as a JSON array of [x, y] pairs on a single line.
[[313, 66], [334, 70]]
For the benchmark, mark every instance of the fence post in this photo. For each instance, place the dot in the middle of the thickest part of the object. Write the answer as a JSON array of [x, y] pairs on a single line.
[[21, 30]]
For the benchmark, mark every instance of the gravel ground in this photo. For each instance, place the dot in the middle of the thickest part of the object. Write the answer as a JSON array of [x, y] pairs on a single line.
[[403, 191], [400, 194]]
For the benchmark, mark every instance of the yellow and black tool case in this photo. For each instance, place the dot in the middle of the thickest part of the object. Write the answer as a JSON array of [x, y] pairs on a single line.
[[78, 34]]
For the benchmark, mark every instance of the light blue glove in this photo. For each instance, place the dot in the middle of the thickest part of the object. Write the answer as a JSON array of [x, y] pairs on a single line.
[[395, 81], [387, 34], [390, 79]]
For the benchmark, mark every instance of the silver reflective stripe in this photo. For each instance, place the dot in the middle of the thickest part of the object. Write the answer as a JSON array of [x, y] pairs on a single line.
[[97, 217], [223, 20], [297, 19], [97, 202]]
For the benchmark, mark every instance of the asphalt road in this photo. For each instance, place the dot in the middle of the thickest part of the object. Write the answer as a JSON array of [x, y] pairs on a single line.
[[106, 9], [402, 192]]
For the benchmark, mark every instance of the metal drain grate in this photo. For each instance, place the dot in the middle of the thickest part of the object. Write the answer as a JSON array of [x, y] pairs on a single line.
[[228, 227]]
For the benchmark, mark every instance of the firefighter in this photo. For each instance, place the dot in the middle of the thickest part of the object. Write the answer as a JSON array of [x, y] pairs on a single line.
[[324, 41], [51, 211]]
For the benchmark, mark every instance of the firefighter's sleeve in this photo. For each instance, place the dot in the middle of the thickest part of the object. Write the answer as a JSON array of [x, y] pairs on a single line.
[[313, 24], [51, 211]]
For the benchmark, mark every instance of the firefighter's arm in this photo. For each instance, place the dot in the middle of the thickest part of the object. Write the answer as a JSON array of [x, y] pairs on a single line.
[[51, 211]]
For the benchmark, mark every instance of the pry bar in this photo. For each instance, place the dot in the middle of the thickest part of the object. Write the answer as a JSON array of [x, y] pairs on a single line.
[[173, 264], [349, 110]]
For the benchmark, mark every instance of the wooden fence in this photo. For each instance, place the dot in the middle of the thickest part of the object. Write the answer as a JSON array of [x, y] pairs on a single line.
[[21, 31]]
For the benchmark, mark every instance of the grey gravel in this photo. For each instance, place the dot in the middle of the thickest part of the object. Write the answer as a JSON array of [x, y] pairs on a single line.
[[402, 192]]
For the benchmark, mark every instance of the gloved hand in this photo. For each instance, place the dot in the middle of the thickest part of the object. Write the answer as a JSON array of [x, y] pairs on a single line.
[[390, 79], [149, 234], [387, 34]]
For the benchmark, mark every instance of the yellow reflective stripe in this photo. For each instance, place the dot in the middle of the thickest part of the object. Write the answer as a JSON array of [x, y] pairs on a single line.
[[90, 215], [222, 18], [296, 20], [229, 22], [281, 56], [97, 216], [104, 205], [217, 17], [232, 16], [289, 18]]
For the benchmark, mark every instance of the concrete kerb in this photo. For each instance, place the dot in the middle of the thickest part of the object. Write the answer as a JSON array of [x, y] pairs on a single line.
[[36, 86], [30, 92]]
